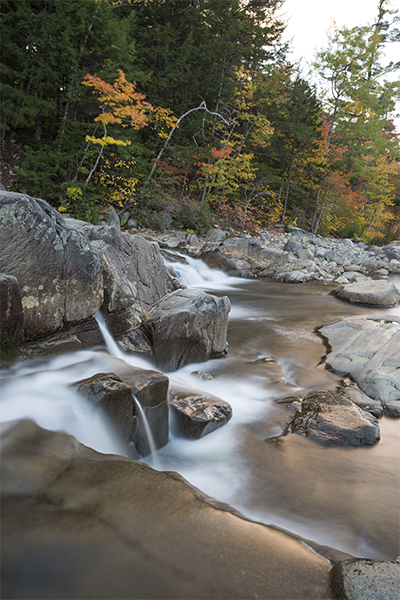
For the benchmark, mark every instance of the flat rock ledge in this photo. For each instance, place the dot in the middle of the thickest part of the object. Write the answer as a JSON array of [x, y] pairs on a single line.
[[377, 293], [366, 580], [368, 350]]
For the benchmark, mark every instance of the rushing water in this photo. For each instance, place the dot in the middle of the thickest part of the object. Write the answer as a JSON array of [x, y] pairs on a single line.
[[347, 498]]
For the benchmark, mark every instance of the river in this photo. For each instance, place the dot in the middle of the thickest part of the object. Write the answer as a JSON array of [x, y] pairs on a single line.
[[347, 498]]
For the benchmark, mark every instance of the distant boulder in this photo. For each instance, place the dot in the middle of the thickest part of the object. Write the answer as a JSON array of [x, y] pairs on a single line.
[[377, 293]]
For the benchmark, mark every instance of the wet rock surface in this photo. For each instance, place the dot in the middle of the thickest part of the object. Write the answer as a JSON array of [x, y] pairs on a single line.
[[79, 524], [107, 392], [198, 413], [333, 420]]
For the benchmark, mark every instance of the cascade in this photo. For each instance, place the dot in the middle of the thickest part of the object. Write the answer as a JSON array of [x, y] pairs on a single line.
[[153, 457], [287, 481]]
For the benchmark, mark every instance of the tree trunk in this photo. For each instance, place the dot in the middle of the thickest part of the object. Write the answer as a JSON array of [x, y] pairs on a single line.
[[288, 183]]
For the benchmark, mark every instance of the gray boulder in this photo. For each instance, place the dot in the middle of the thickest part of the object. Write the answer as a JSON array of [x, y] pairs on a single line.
[[242, 256], [367, 349], [113, 395], [377, 293], [112, 219], [58, 272], [80, 524], [198, 413], [133, 272], [292, 245], [366, 580], [107, 392], [187, 326], [216, 235], [332, 420]]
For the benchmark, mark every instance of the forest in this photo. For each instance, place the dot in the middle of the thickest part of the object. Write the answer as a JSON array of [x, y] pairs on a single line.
[[191, 112]]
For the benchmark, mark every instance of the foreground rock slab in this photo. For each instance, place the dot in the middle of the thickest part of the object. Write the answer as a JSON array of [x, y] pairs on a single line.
[[79, 524], [367, 349], [198, 413], [366, 579], [333, 420], [377, 293]]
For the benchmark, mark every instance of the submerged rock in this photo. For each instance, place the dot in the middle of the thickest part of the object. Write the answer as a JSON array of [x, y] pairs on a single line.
[[198, 413], [333, 420]]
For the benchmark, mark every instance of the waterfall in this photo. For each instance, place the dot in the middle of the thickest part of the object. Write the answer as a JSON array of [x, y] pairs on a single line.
[[149, 435]]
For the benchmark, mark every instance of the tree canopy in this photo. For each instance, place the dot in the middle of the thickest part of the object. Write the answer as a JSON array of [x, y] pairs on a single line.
[[191, 110]]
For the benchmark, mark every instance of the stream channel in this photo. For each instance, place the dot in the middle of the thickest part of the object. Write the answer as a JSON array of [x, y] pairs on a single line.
[[346, 497]]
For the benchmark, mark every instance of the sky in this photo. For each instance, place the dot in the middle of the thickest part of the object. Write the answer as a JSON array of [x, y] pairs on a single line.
[[308, 21]]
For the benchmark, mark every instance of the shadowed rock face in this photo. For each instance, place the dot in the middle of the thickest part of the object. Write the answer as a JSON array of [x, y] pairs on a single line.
[[59, 274], [79, 524], [11, 314]]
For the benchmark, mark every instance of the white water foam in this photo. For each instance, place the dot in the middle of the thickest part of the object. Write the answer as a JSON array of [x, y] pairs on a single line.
[[195, 273]]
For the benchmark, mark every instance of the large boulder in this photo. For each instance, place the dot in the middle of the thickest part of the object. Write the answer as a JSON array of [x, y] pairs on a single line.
[[108, 393], [187, 326], [242, 256], [133, 272], [198, 413], [138, 395], [333, 420], [79, 524], [367, 349], [377, 293], [59, 274]]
